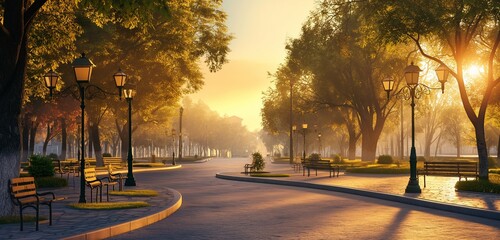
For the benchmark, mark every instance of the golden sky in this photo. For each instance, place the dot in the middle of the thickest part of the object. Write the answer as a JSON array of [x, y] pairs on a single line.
[[260, 29]]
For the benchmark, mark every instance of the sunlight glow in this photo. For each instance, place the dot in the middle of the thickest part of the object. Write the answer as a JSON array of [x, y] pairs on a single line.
[[473, 73]]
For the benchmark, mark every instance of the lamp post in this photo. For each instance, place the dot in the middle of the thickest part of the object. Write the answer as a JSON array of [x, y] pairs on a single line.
[[129, 95], [181, 110], [304, 129], [294, 131], [292, 127], [82, 68], [412, 90], [173, 146], [319, 141]]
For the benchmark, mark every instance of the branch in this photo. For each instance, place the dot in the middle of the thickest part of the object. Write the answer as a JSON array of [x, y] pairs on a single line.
[[32, 11]]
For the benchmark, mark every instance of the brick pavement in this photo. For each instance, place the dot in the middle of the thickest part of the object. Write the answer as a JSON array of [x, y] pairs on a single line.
[[73, 223]]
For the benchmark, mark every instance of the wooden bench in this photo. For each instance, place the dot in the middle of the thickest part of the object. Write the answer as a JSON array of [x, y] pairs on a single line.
[[23, 194], [320, 165], [249, 167], [93, 182], [456, 169], [117, 161], [116, 177]]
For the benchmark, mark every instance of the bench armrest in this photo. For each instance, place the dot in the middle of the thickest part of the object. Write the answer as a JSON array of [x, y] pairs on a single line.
[[46, 193]]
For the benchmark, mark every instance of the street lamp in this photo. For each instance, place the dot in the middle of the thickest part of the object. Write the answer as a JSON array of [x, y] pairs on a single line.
[[304, 129], [412, 90], [82, 68], [319, 140], [173, 146], [129, 93], [120, 78], [292, 127], [294, 131]]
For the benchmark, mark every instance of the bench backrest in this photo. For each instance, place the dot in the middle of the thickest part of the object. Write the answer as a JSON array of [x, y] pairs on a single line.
[[451, 166], [90, 174], [112, 160], [22, 187]]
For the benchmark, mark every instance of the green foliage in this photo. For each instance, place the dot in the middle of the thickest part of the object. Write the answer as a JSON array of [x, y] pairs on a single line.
[[337, 158], [106, 155], [50, 182], [385, 159], [314, 157], [258, 161], [40, 166]]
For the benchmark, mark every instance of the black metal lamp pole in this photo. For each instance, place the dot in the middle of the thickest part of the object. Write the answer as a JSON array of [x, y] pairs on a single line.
[[411, 91], [181, 110], [82, 162], [291, 121], [173, 147], [130, 181]]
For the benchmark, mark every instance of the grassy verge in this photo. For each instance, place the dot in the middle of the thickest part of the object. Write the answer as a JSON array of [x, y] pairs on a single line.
[[17, 219], [135, 193], [380, 169], [491, 186], [149, 165], [268, 175], [109, 205]]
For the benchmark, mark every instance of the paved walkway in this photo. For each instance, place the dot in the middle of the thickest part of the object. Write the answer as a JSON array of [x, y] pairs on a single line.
[[73, 223]]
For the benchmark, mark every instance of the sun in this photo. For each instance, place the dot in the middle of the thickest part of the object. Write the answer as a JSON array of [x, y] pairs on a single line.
[[473, 73]]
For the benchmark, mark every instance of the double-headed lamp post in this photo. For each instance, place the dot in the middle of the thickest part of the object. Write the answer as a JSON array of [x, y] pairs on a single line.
[[129, 95], [412, 90], [82, 67]]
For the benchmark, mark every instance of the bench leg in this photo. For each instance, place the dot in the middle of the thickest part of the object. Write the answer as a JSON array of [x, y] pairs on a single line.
[[50, 213], [425, 183]]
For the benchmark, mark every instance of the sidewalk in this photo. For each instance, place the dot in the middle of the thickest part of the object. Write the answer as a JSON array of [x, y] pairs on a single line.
[[69, 223], [439, 192]]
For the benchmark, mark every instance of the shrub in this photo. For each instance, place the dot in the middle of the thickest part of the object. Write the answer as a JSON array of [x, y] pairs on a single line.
[[478, 186], [492, 162], [385, 159], [46, 182], [53, 156], [41, 166], [106, 154], [420, 159], [258, 161], [314, 157], [336, 158]]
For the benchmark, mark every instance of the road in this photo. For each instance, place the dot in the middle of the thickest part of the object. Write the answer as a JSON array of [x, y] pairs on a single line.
[[222, 209]]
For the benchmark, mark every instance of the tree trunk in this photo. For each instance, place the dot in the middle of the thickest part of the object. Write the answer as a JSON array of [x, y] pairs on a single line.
[[96, 142], [25, 138], [13, 68], [482, 151], [33, 131], [64, 136], [498, 150], [124, 138], [47, 139]]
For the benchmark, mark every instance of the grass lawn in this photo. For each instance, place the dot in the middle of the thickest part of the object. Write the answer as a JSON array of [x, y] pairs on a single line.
[[109, 205], [381, 169], [268, 175], [17, 219], [135, 193]]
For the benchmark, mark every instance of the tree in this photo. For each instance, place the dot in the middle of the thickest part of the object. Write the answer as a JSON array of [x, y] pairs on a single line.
[[468, 31], [338, 47], [18, 20]]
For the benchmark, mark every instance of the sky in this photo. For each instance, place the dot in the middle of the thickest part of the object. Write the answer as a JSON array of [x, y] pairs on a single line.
[[260, 29]]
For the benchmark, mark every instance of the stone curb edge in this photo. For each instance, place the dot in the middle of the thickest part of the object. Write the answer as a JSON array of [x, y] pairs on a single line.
[[483, 213], [134, 224]]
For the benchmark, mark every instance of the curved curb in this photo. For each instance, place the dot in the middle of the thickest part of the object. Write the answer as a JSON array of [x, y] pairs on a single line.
[[483, 213], [125, 227]]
